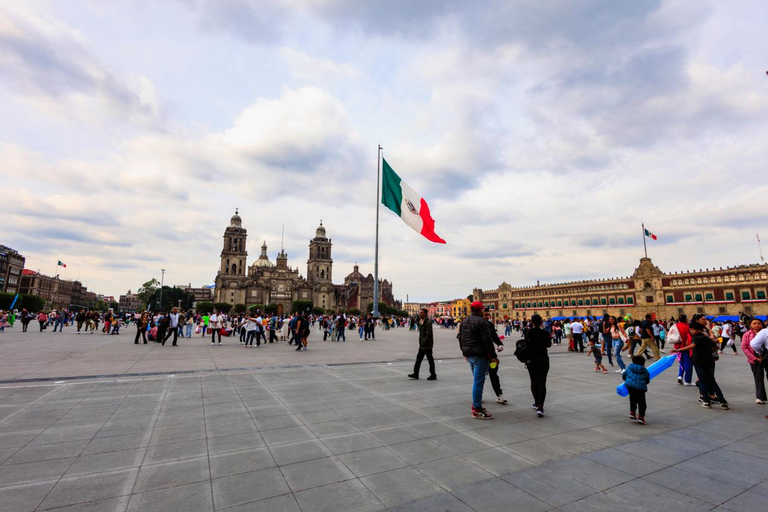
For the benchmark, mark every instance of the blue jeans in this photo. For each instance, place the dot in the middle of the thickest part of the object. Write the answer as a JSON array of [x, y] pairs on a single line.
[[188, 333], [617, 346], [686, 366], [479, 367]]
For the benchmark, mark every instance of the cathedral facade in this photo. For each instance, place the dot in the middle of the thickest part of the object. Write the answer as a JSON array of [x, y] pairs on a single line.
[[265, 282]]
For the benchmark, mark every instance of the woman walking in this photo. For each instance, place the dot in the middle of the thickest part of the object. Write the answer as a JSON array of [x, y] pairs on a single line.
[[618, 339], [755, 326], [539, 341]]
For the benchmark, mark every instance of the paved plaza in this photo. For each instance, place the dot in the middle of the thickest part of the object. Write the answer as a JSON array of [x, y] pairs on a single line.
[[341, 428]]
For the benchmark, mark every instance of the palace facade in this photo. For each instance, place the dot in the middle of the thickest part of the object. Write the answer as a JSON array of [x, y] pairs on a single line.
[[265, 282], [729, 291]]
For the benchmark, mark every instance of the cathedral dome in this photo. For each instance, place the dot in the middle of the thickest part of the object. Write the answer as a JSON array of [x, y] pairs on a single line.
[[263, 260], [236, 221], [320, 233]]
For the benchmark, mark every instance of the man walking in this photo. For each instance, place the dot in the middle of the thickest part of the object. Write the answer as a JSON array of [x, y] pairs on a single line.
[[577, 331], [426, 342], [173, 326], [646, 334], [476, 345]]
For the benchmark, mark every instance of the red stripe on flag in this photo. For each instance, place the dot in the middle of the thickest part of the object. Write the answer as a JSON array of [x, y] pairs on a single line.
[[428, 227]]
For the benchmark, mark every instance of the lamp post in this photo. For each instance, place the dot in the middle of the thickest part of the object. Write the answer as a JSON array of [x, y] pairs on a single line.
[[162, 280]]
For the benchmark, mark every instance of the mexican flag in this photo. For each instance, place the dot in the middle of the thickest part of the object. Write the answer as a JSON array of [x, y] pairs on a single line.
[[62, 264], [410, 206], [650, 235]]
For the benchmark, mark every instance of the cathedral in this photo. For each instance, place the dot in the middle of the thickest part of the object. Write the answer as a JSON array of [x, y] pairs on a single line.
[[265, 282]]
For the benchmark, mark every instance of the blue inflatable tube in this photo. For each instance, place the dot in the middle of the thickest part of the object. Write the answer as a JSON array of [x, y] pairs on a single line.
[[655, 369]]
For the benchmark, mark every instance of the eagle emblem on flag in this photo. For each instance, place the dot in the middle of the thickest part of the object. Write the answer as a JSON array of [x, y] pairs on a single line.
[[411, 208]]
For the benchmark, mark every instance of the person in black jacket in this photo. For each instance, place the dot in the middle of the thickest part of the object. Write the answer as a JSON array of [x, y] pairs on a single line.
[[704, 364], [476, 345], [426, 343], [537, 363], [493, 369]]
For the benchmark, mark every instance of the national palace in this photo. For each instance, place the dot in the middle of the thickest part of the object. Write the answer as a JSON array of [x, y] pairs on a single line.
[[724, 291]]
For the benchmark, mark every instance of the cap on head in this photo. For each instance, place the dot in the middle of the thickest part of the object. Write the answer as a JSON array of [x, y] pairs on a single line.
[[476, 305]]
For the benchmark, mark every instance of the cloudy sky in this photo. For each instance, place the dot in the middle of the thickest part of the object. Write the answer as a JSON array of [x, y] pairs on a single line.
[[541, 133]]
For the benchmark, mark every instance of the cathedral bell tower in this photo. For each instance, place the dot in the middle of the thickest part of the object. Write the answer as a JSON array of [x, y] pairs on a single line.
[[320, 270], [232, 271]]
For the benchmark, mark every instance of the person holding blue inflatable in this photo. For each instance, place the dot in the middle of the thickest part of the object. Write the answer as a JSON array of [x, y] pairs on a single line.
[[637, 378]]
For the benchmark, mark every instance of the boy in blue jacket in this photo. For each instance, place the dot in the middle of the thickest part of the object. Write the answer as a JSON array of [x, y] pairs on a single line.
[[636, 379]]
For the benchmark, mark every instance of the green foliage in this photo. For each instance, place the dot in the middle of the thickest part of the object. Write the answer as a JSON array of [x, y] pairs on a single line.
[[147, 292], [171, 298], [470, 297], [401, 313], [254, 307], [114, 305], [240, 308], [301, 306], [100, 305], [270, 309], [383, 308], [355, 312], [31, 302], [223, 307], [205, 308], [318, 310]]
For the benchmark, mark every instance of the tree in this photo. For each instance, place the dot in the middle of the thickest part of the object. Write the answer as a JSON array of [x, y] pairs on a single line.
[[301, 305], [114, 305], [31, 302], [240, 308], [147, 292], [255, 307], [171, 298], [383, 308], [223, 307], [355, 312], [270, 309], [318, 310], [470, 297], [100, 305], [205, 308]]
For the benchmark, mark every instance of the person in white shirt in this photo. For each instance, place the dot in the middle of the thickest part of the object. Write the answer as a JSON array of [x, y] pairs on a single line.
[[726, 334], [759, 342], [577, 330], [173, 327], [213, 325]]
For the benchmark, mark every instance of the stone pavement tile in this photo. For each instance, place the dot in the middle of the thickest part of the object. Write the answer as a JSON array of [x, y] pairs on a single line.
[[453, 473], [693, 485], [246, 461], [373, 422], [17, 439], [600, 502], [572, 443], [349, 496], [111, 461], [749, 501], [333, 428], [556, 488], [747, 449], [499, 435], [315, 473], [369, 462], [400, 486], [81, 489], [124, 427], [287, 435], [299, 452], [273, 422], [118, 504], [420, 451], [350, 443], [665, 449], [461, 443], [394, 435], [625, 462], [589, 472], [180, 422], [177, 451], [284, 503], [48, 452], [697, 436], [655, 498], [538, 451], [498, 461], [186, 498], [224, 444], [497, 494], [431, 428], [171, 474], [16, 474], [438, 503], [24, 498], [115, 444], [312, 418], [743, 470], [231, 426], [177, 435], [247, 487]]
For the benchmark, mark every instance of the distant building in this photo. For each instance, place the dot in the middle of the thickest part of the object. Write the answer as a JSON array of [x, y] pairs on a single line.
[[730, 291], [11, 267], [199, 294], [56, 292], [129, 303]]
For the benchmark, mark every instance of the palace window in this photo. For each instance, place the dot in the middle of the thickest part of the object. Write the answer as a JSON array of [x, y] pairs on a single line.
[[573, 302], [541, 304], [718, 279], [728, 295], [746, 295], [688, 297], [761, 294], [612, 301], [670, 298], [559, 303], [603, 301], [630, 300], [587, 302], [546, 303], [698, 281], [705, 280], [741, 277], [621, 300], [698, 297], [710, 296], [581, 302], [649, 298]]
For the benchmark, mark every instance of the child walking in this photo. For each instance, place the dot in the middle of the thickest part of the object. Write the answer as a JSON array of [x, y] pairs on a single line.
[[594, 350], [636, 379]]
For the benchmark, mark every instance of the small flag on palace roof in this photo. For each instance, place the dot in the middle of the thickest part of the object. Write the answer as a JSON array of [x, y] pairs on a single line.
[[62, 264], [650, 235], [410, 206]]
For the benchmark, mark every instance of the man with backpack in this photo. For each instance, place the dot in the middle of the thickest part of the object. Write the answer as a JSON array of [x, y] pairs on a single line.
[[476, 345], [532, 350]]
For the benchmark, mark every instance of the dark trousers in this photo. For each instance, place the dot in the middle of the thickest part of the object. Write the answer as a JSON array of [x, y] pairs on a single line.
[[140, 332], [175, 332], [578, 341], [637, 401], [724, 344], [420, 358], [493, 375], [42, 325], [214, 332], [261, 336], [537, 371], [759, 373], [249, 338], [160, 335], [242, 334], [272, 336], [708, 384], [608, 348]]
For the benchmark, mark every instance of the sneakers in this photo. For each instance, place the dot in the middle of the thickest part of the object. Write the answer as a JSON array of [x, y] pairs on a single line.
[[725, 407], [619, 371], [605, 371], [632, 415], [303, 348], [641, 420], [212, 343], [706, 405], [539, 413], [298, 348], [413, 376], [680, 380], [500, 399], [597, 369], [759, 402], [432, 377], [481, 414], [689, 384]]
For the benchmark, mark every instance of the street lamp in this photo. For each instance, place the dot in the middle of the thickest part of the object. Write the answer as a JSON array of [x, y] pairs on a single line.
[[162, 280]]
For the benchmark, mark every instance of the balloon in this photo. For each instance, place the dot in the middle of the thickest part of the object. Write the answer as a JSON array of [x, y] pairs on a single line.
[[653, 370]]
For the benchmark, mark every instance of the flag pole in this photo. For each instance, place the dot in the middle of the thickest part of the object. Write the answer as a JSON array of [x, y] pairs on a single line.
[[645, 248], [376, 257]]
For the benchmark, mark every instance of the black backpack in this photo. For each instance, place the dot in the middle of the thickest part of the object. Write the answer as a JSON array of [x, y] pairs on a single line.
[[522, 350]]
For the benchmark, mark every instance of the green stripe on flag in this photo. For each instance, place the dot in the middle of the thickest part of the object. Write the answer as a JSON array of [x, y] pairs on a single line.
[[391, 192]]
